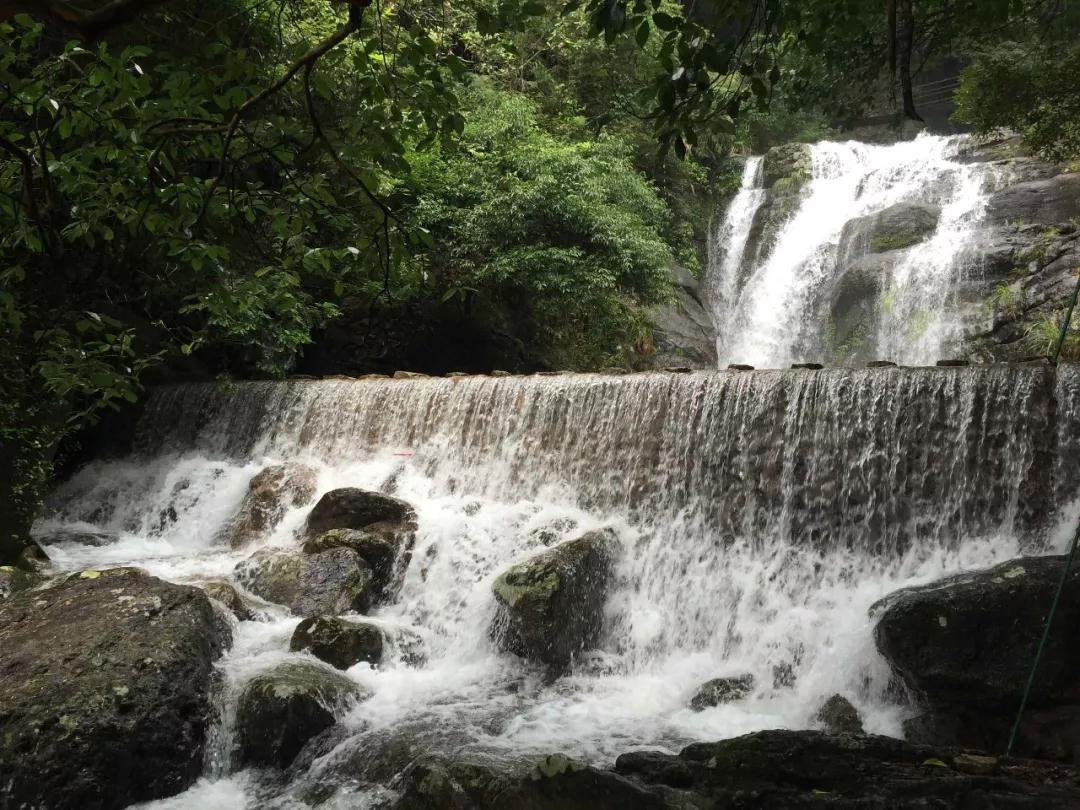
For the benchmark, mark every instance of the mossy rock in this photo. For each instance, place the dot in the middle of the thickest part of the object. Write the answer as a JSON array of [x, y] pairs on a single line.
[[551, 605], [338, 642], [721, 690], [385, 546], [281, 710], [328, 583]]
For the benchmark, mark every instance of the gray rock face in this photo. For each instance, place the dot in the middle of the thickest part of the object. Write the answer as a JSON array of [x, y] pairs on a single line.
[[683, 333], [105, 690], [551, 606], [1046, 202], [838, 716], [894, 228], [854, 308], [338, 642], [271, 493], [721, 690], [281, 710], [771, 770], [331, 582], [353, 508], [965, 645]]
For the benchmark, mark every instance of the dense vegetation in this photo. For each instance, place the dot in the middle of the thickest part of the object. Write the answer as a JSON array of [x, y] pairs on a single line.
[[191, 189]]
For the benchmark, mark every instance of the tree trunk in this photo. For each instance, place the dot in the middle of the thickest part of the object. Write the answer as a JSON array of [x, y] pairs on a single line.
[[907, 42]]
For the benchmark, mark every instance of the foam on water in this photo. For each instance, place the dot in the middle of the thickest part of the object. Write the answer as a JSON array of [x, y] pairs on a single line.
[[759, 516]]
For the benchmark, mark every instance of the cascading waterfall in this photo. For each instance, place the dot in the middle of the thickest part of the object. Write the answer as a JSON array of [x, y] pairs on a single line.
[[759, 515], [729, 245], [780, 304]]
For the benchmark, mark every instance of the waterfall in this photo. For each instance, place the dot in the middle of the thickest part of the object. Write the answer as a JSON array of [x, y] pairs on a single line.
[[759, 515], [828, 284], [722, 276]]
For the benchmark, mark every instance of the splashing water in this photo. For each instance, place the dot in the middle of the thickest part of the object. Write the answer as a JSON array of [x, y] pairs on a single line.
[[759, 514], [777, 311]]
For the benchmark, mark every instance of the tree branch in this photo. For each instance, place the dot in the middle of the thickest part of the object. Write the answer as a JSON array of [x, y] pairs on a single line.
[[356, 11], [345, 167]]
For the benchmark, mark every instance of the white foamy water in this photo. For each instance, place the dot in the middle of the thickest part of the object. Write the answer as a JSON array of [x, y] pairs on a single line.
[[759, 516], [775, 310]]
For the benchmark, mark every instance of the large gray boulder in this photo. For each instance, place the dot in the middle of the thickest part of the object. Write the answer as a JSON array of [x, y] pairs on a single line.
[[281, 710], [328, 583], [894, 228], [271, 493], [339, 642], [386, 546], [965, 646], [105, 690], [550, 607], [354, 508]]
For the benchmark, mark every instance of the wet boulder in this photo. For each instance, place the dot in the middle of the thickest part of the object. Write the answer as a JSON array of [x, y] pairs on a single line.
[[839, 716], [13, 580], [722, 690], [105, 690], [550, 607], [385, 546], [338, 642], [227, 595], [354, 508], [271, 493], [281, 710], [330, 582], [965, 645], [894, 228]]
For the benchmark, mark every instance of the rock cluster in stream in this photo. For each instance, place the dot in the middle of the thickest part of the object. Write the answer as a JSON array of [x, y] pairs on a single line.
[[107, 681]]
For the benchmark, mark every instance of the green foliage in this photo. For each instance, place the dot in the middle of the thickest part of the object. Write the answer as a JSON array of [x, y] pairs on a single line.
[[1008, 299], [563, 237], [1045, 332], [1027, 87]]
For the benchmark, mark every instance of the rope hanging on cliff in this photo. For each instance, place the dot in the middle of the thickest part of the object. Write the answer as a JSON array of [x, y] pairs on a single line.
[[1068, 560]]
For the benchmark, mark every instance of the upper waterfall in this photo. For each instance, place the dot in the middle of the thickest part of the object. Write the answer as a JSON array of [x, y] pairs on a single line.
[[844, 252]]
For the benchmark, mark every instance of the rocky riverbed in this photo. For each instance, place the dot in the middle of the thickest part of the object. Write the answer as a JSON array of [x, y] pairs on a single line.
[[109, 693]]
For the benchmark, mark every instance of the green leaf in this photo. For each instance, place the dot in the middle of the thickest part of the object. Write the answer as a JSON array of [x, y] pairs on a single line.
[[665, 22], [642, 36]]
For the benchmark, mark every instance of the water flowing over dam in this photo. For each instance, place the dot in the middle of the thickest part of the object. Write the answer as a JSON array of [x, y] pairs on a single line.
[[849, 252], [758, 516]]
